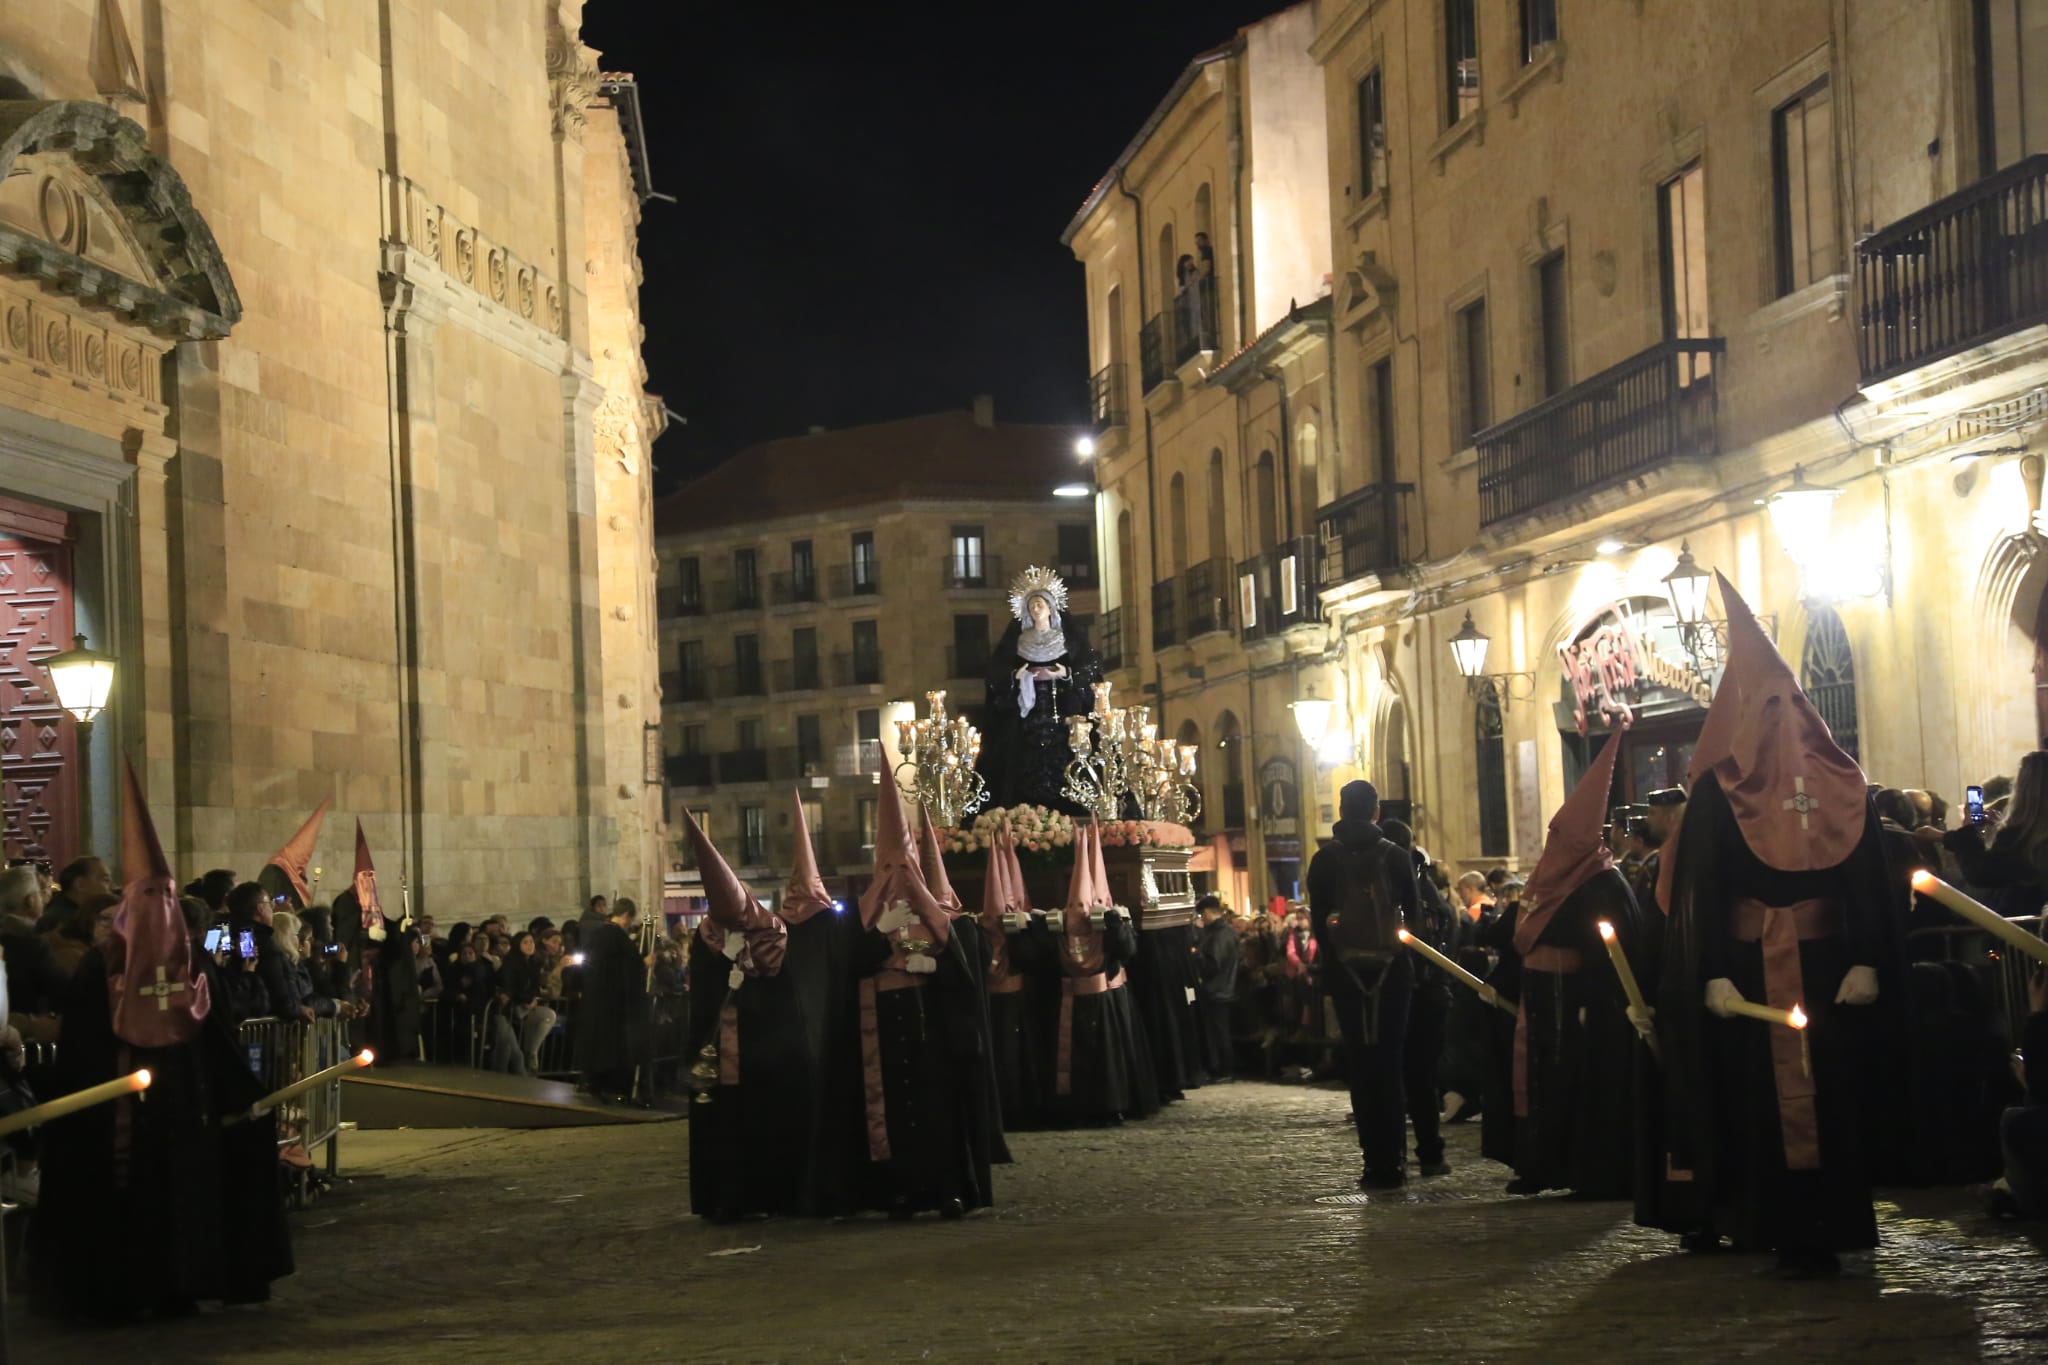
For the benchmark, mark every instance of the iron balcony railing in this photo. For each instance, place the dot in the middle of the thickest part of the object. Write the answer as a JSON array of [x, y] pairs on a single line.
[[743, 765], [1109, 638], [1155, 343], [966, 663], [858, 759], [1106, 398], [858, 669], [692, 686], [1276, 589], [1205, 597], [1652, 408], [1079, 576], [804, 673], [731, 596], [1956, 274], [1359, 533], [1166, 614], [970, 571], [1194, 319], [742, 680], [860, 579], [786, 589], [674, 600], [687, 770]]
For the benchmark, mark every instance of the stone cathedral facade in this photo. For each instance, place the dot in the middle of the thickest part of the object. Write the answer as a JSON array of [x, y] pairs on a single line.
[[322, 412]]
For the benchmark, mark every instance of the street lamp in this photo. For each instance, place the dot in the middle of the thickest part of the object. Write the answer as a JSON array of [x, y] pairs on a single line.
[[1312, 719], [1801, 515], [1687, 587], [82, 679], [1085, 447], [1468, 648]]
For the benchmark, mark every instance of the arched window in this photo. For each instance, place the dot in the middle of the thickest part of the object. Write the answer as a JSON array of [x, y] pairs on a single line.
[[1126, 562], [1177, 523], [1490, 749], [1827, 671], [1265, 493], [1219, 535], [1308, 461], [1114, 325], [1390, 764], [1169, 283]]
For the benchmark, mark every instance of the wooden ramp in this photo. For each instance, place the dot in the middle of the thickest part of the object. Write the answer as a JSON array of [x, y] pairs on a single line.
[[422, 1095]]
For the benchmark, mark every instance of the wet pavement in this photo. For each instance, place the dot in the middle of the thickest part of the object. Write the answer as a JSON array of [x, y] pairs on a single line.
[[1229, 1228]]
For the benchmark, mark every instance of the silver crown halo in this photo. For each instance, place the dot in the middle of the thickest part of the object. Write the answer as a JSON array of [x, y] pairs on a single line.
[[1036, 581]]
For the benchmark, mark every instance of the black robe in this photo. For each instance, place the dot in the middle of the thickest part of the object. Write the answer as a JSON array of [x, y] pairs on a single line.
[[1721, 1112], [1109, 1069], [976, 1069], [1017, 1056], [1497, 1127], [609, 1024], [938, 1146], [1579, 1133], [1024, 758], [1161, 975], [392, 1027], [199, 1214]]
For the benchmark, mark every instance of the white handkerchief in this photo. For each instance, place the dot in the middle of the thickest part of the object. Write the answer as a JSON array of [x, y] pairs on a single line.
[[1191, 994], [734, 977]]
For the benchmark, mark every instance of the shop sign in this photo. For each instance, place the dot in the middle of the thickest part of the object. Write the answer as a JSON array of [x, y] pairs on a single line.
[[1279, 796], [1609, 661]]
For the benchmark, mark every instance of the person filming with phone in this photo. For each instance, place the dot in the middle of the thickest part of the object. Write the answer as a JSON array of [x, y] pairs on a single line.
[[255, 968], [2008, 862]]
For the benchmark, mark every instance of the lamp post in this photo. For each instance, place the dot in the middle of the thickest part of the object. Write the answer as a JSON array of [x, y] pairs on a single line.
[[83, 679], [1801, 515], [1468, 648], [1705, 637]]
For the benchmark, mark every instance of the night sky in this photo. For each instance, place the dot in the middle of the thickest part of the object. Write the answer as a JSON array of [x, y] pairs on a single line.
[[871, 198]]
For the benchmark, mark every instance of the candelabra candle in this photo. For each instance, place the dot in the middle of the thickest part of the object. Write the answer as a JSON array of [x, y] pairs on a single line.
[[1102, 697], [939, 754]]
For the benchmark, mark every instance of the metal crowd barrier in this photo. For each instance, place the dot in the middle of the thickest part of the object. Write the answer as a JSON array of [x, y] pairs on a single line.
[[281, 1051], [2003, 973]]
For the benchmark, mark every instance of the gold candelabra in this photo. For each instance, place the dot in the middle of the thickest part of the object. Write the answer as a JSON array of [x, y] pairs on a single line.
[[940, 751], [1118, 752]]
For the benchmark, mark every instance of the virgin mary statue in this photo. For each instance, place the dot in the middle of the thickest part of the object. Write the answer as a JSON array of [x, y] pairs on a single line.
[[1040, 672]]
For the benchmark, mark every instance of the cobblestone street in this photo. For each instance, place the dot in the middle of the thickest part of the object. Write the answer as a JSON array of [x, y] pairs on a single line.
[[1227, 1229]]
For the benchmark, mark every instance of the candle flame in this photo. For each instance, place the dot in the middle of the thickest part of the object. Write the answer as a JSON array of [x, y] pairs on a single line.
[[1402, 934], [365, 1057], [1923, 880], [1797, 1018], [141, 1080], [1606, 931]]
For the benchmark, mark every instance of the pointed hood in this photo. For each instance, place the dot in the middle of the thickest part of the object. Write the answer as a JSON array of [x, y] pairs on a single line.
[[297, 855], [897, 876], [805, 895], [158, 996], [732, 906], [1573, 852], [365, 887], [1798, 799], [1081, 950], [933, 863], [1003, 890]]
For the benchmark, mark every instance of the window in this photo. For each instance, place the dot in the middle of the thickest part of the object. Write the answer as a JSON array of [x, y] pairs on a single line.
[[1372, 135], [867, 570], [1475, 374], [810, 746], [814, 819], [1077, 555], [1127, 589], [867, 822], [1491, 754], [749, 732], [803, 572], [746, 665], [1827, 670], [1267, 493], [693, 739], [690, 666], [689, 586], [970, 646], [1461, 59], [867, 653], [867, 733], [1219, 545], [1682, 223], [803, 652], [1803, 187], [1539, 28], [1177, 523], [746, 580], [753, 835], [1553, 336], [1380, 380], [967, 566], [2009, 40]]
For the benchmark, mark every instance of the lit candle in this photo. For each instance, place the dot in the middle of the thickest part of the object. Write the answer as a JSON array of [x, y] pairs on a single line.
[[1486, 992], [1102, 696], [312, 1082], [1794, 1018], [1979, 914], [1629, 987], [78, 1099]]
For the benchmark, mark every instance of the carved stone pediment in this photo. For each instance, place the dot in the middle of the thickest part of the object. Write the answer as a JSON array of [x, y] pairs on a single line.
[[1367, 291], [88, 211]]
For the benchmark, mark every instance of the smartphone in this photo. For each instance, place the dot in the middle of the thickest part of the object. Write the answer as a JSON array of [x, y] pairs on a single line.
[[1973, 805], [246, 944], [213, 939], [329, 948]]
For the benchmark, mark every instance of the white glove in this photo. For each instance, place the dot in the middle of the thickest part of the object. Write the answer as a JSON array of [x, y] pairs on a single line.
[[1643, 1018], [735, 978], [917, 964], [1016, 920], [896, 915], [1721, 993], [1859, 987], [732, 943]]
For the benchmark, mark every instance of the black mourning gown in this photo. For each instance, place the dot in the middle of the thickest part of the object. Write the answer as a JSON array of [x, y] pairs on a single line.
[[1024, 758]]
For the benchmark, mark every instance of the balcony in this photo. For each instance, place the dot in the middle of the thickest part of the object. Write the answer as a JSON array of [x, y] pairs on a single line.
[[1106, 398], [685, 687], [861, 579], [741, 596], [1109, 641], [857, 669], [863, 758], [743, 765], [805, 673], [741, 680], [791, 589], [968, 663], [1155, 340], [1194, 320], [1277, 589], [1166, 614], [687, 770], [1205, 597], [1079, 576], [790, 763], [1962, 271], [970, 571], [673, 601], [1624, 421], [1359, 533]]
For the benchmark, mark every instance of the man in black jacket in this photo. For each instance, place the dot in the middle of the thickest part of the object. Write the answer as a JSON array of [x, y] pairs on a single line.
[[1361, 873], [1429, 1012], [1217, 954]]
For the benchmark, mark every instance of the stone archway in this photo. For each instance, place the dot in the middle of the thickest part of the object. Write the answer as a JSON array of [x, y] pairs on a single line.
[[1999, 718]]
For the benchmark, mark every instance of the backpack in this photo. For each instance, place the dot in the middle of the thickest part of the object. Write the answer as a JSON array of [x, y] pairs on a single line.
[[1367, 919]]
